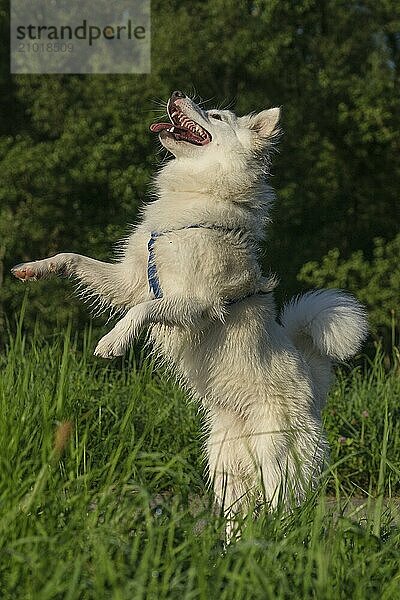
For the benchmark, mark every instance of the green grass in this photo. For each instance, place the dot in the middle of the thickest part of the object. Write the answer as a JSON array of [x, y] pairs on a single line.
[[114, 505]]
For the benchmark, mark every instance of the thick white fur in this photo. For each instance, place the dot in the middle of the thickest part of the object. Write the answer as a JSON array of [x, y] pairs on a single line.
[[262, 385]]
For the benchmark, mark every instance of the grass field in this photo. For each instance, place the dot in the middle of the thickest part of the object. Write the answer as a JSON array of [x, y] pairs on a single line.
[[102, 491]]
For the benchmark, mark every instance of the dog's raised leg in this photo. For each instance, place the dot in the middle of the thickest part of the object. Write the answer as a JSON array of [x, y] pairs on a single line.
[[172, 311], [111, 282]]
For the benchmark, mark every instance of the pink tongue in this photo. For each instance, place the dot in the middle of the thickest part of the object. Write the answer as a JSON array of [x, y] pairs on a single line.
[[156, 127]]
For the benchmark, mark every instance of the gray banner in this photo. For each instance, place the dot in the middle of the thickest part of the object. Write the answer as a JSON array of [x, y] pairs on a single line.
[[80, 36]]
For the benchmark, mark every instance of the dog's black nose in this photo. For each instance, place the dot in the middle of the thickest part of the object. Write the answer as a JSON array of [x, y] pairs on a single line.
[[177, 94]]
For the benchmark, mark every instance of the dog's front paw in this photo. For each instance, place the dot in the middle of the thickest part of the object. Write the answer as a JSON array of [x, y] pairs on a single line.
[[110, 346], [118, 340], [32, 271], [115, 343], [26, 271]]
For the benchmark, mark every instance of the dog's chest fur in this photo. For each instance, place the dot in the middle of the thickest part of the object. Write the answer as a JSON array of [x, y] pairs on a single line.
[[209, 263]]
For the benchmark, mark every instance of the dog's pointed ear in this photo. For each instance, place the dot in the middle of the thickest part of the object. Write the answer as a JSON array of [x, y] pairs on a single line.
[[265, 123]]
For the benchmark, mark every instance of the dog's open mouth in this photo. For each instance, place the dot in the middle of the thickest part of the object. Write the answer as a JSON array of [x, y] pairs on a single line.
[[181, 128]]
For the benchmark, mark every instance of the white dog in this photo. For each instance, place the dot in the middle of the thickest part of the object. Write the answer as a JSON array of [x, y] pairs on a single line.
[[190, 273]]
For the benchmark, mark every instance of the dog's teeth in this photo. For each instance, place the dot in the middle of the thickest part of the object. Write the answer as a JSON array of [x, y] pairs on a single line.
[[193, 129]]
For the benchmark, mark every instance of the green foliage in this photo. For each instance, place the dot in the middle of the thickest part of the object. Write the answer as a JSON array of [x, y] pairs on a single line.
[[102, 490], [376, 281], [76, 157], [355, 421]]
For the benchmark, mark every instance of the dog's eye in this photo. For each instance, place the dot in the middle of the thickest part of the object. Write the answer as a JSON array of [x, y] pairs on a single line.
[[216, 117]]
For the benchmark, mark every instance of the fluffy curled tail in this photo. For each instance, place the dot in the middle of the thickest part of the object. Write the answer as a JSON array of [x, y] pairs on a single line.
[[334, 322]]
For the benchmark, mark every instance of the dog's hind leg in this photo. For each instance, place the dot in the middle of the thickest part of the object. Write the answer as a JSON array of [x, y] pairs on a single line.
[[250, 461], [231, 466], [110, 282]]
